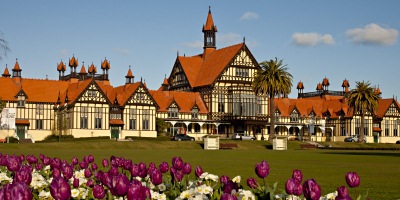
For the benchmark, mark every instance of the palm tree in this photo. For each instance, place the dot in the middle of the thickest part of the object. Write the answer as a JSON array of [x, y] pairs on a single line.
[[272, 79], [363, 99]]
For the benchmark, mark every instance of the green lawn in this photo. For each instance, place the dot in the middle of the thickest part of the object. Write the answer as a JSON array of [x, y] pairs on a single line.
[[379, 170]]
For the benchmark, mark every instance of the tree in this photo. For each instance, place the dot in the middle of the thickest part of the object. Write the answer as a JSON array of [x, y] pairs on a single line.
[[272, 80], [4, 49], [363, 99]]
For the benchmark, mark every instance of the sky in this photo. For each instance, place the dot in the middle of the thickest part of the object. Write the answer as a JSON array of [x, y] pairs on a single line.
[[357, 40]]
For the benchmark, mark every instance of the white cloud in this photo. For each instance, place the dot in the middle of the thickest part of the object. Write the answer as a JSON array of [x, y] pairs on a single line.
[[122, 51], [249, 16], [195, 44], [229, 39], [312, 39], [64, 52], [372, 34]]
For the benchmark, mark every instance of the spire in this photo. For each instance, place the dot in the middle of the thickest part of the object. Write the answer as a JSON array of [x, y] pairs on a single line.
[[105, 64], [209, 30], [129, 76], [6, 72], [16, 70], [83, 69]]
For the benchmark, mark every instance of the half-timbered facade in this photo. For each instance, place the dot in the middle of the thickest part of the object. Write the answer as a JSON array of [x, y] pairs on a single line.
[[223, 77]]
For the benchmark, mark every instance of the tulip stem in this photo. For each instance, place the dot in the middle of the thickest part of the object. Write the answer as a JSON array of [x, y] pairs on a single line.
[[265, 189]]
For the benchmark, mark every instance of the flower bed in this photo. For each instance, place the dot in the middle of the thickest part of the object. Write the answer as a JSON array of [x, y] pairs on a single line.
[[29, 177]]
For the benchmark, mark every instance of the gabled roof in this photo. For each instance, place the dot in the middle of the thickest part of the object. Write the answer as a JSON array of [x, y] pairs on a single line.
[[124, 92], [202, 72], [383, 106], [184, 100]]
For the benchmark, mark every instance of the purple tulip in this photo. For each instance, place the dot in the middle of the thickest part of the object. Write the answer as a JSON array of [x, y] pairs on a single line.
[[135, 170], [177, 175], [94, 166], [39, 166], [98, 175], [75, 183], [56, 173], [55, 163], [177, 163], [90, 183], [142, 170], [106, 179], [60, 189], [224, 179], [152, 164], [113, 171], [105, 163], [88, 173], [198, 172], [297, 175], [156, 177], [164, 167], [32, 159], [46, 160], [13, 163], [262, 169], [24, 175], [75, 161], [311, 190], [21, 158], [83, 165], [90, 159], [293, 187], [120, 161], [343, 193], [352, 179], [67, 171], [151, 169], [252, 183], [229, 186], [3, 160], [20, 191], [136, 191], [128, 164], [226, 196], [120, 185], [41, 156], [98, 192], [187, 168], [5, 191]]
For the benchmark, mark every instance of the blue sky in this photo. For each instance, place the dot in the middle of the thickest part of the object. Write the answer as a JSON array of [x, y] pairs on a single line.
[[355, 40]]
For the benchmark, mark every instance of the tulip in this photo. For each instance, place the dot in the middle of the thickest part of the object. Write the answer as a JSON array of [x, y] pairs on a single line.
[[46, 160], [156, 177], [226, 196], [187, 168], [21, 158], [293, 187], [262, 169], [41, 156], [98, 175], [60, 189], [352, 179], [5, 191], [343, 193], [229, 186], [106, 179], [32, 159], [90, 159], [94, 166], [163, 167], [90, 183], [224, 179], [128, 164], [177, 175], [311, 190], [39, 166], [24, 175], [177, 163], [252, 183], [83, 164], [74, 160], [75, 183], [152, 164], [142, 170], [56, 173], [198, 172], [135, 170], [104, 162], [297, 175], [55, 163], [13, 163], [3, 160], [98, 192], [113, 171], [136, 191], [20, 191], [120, 185], [88, 173], [67, 171], [120, 161]]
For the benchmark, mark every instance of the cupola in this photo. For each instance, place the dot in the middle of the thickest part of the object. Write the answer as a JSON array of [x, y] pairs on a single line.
[[325, 83], [73, 63], [16, 70], [345, 85], [209, 30]]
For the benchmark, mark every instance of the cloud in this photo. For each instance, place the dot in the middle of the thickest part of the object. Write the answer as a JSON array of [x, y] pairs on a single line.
[[195, 44], [122, 51], [312, 39], [249, 16], [64, 52], [372, 34]]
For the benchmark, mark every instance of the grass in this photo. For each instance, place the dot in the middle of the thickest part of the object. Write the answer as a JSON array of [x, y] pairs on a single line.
[[378, 169]]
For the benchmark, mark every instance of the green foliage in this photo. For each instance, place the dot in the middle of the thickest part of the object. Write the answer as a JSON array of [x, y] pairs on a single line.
[[161, 126], [54, 138], [2, 105], [12, 140]]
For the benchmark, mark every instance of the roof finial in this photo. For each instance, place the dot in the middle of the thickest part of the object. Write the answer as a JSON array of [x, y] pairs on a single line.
[[177, 53], [209, 9], [46, 77], [165, 75], [141, 79], [244, 40]]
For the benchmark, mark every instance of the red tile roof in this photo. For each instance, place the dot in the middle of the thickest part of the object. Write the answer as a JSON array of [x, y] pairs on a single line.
[[116, 122], [73, 62], [184, 100], [16, 66], [105, 64], [6, 73], [209, 23], [83, 70]]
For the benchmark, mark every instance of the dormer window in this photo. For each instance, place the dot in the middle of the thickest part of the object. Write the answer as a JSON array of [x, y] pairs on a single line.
[[195, 113], [277, 116], [294, 116], [173, 112], [21, 101]]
